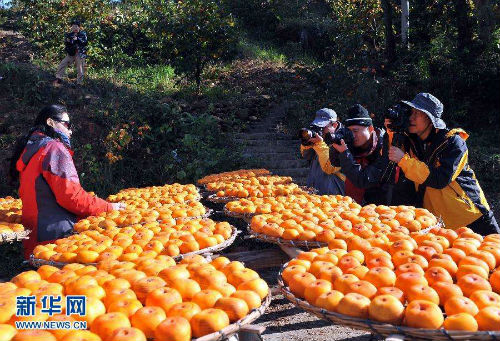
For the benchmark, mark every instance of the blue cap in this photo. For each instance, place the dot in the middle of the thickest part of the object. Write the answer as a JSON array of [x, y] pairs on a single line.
[[324, 117]]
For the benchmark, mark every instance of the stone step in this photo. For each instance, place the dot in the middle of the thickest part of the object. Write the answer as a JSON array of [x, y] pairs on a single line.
[[283, 152], [265, 148], [295, 143], [275, 157], [263, 136], [264, 124], [293, 172], [263, 129], [300, 180], [282, 164]]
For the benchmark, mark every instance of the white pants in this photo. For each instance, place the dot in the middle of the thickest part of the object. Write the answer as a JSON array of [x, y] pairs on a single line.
[[70, 60]]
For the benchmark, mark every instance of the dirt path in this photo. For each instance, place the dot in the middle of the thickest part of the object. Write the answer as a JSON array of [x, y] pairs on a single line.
[[285, 322]]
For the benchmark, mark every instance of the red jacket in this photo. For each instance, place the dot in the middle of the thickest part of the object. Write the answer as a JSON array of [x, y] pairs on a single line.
[[51, 192]]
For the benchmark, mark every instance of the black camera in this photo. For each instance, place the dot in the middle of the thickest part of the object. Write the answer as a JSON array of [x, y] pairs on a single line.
[[342, 133], [305, 134], [399, 115]]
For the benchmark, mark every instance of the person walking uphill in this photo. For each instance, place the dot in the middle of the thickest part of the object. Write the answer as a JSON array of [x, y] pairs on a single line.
[[76, 51], [49, 188], [438, 165]]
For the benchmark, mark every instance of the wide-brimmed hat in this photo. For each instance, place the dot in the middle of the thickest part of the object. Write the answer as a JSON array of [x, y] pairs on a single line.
[[429, 105], [358, 115], [324, 117]]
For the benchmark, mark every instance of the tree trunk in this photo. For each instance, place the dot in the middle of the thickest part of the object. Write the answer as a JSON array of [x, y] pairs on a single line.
[[405, 23], [390, 43], [486, 20], [422, 22], [463, 24]]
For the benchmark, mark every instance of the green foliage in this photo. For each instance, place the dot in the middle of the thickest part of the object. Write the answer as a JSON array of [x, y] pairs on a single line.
[[185, 34], [45, 22], [359, 27], [198, 32], [125, 138]]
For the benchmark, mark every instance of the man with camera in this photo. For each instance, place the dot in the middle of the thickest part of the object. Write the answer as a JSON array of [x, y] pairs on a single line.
[[324, 177], [362, 156], [438, 165], [76, 48]]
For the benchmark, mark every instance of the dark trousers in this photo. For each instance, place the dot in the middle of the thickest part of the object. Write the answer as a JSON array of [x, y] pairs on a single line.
[[485, 225]]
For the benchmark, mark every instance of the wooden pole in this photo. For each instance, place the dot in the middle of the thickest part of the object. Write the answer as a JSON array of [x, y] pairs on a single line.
[[405, 23]]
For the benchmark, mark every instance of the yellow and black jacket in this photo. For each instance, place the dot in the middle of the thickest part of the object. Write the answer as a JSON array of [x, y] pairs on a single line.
[[323, 176], [440, 169]]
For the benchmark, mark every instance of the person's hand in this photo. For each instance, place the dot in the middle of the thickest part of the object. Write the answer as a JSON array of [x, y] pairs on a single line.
[[342, 147], [315, 139], [387, 122], [118, 206], [75, 38], [395, 154]]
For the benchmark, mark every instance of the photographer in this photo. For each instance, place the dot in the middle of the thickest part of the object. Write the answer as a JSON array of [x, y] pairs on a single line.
[[324, 177], [75, 46], [363, 159], [438, 164]]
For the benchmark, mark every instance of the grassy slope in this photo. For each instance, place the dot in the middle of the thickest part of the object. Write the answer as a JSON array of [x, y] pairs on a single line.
[[233, 94], [264, 75]]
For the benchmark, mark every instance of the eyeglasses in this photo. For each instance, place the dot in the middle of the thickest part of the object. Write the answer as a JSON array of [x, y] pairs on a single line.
[[67, 124]]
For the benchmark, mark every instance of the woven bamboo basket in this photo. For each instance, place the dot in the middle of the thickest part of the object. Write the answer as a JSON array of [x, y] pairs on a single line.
[[37, 262], [220, 200], [224, 200], [301, 244], [383, 329], [10, 237], [208, 213], [234, 328], [245, 216]]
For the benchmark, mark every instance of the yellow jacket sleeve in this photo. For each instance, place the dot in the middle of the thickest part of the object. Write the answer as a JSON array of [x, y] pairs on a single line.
[[323, 152], [415, 170], [303, 149]]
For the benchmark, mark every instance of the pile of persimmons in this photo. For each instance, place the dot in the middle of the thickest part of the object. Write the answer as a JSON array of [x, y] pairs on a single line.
[[253, 181], [136, 241], [254, 205], [233, 175], [156, 196], [339, 218], [132, 302], [443, 279], [10, 215]]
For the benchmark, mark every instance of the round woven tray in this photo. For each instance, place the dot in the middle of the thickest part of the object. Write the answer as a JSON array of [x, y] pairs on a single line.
[[224, 200], [208, 213], [10, 237], [37, 262], [221, 200], [234, 328], [301, 244], [245, 216], [383, 329]]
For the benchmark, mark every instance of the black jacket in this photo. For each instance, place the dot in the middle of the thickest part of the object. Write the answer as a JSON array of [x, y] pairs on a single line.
[[371, 177], [72, 46]]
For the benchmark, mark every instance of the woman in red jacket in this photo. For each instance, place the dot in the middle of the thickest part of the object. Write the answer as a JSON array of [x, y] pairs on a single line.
[[49, 188]]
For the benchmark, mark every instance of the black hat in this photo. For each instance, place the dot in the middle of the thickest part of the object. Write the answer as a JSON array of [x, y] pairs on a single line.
[[75, 22], [358, 115]]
